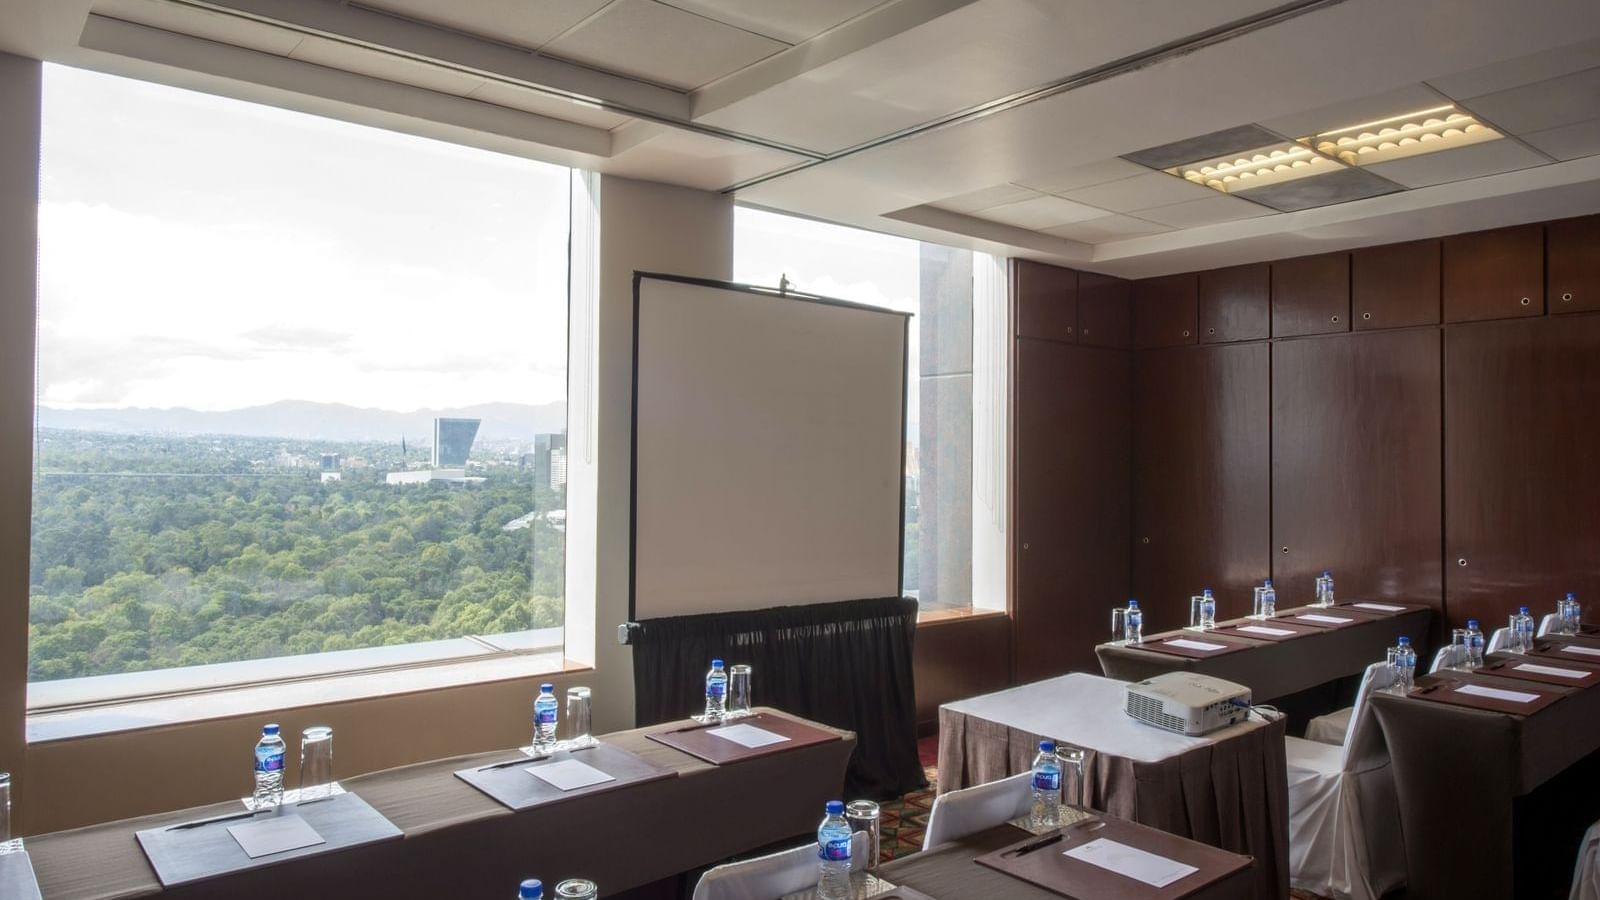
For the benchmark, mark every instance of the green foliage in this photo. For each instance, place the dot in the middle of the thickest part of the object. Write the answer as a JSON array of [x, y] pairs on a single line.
[[244, 555]]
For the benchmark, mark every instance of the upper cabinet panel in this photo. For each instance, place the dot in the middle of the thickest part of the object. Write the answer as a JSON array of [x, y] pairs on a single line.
[[1047, 300], [1165, 311], [1395, 285], [1311, 295], [1234, 305], [1105, 311], [1494, 274], [1573, 257]]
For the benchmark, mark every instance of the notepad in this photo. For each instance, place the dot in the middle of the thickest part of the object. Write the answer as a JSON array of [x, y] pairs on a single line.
[[747, 735], [568, 775], [1187, 644], [1262, 629], [275, 834], [1327, 620], [1379, 606], [1478, 690], [1550, 670], [1140, 865], [1586, 651]]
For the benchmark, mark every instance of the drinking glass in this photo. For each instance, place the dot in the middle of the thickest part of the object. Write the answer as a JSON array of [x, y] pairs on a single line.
[[577, 889], [578, 711], [739, 691], [1456, 656], [1073, 791], [863, 816], [1256, 604], [1197, 621], [5, 810], [1119, 625], [316, 764], [1393, 657]]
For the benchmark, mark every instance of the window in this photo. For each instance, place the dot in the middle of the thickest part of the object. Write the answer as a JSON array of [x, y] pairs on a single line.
[[302, 394], [935, 283]]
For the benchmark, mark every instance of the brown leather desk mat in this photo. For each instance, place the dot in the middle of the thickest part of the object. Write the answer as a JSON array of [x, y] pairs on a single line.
[[1352, 616], [1443, 687], [1354, 606], [1161, 643], [694, 740], [1295, 629], [1511, 665], [1050, 869], [516, 788]]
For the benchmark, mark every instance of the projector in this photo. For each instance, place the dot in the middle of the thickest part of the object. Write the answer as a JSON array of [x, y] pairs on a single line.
[[1188, 702]]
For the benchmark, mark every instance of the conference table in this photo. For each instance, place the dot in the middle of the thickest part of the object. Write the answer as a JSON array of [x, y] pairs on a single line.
[[1272, 665], [1464, 773], [1228, 789], [460, 844]]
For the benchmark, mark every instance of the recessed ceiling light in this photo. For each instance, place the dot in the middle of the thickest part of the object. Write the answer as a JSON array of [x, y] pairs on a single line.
[[1273, 164], [1424, 131]]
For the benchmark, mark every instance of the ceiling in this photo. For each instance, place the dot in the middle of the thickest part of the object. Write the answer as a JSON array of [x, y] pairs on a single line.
[[1059, 130]]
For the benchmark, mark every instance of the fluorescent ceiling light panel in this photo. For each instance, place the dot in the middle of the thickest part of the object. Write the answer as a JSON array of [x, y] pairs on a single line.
[[1397, 137], [1261, 167]]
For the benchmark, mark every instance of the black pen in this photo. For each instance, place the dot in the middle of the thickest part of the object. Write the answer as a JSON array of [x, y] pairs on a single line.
[[215, 819], [511, 762], [1043, 842]]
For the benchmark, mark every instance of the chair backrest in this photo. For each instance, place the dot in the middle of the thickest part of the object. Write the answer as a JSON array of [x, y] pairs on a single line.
[[969, 810], [1447, 656], [774, 875], [1547, 623], [1499, 639], [1363, 728]]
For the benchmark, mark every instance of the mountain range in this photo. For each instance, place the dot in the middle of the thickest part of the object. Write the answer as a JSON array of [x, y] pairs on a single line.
[[304, 419]]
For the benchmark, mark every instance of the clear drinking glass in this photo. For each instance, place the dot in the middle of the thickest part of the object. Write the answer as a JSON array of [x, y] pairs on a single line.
[[1256, 604], [1392, 655], [577, 889], [1456, 656], [739, 691], [5, 810], [578, 712], [316, 764], [1072, 786], [1119, 625], [863, 816], [1197, 605]]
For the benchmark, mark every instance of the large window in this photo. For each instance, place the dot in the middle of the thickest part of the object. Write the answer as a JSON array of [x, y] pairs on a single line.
[[935, 283], [301, 392]]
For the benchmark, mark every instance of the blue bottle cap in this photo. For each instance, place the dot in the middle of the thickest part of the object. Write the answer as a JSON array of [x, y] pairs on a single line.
[[532, 889], [1522, 610], [1405, 641], [1047, 746], [1206, 592], [1133, 604], [547, 688], [835, 807], [1571, 596], [1267, 583], [269, 729], [1472, 623], [1325, 574], [716, 664]]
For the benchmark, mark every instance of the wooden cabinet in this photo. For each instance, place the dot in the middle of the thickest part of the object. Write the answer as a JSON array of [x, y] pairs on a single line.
[[1105, 311], [1200, 479], [1522, 487], [1311, 295], [1047, 300], [1165, 311], [1395, 285], [1494, 274], [1572, 257], [1234, 304], [1071, 448], [1356, 438]]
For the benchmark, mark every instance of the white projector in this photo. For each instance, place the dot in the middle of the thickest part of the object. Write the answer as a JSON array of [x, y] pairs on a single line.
[[1188, 703]]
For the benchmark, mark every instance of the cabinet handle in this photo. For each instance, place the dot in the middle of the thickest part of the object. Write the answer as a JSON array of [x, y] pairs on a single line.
[[1186, 332], [1024, 546], [1462, 562], [1286, 549], [1086, 332], [1146, 540], [1211, 331], [1365, 316], [1567, 297], [1069, 329], [1335, 320], [1526, 301]]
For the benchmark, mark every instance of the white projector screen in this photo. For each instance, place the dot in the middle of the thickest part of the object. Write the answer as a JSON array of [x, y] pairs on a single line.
[[768, 448]]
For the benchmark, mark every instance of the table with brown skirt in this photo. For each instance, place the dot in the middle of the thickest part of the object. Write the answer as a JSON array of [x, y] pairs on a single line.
[[460, 844], [1228, 789]]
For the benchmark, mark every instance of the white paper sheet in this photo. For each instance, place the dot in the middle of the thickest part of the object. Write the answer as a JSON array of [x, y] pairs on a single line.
[[1187, 644], [1582, 651], [1326, 620], [1574, 674], [568, 775], [747, 735], [1140, 865], [1479, 690], [274, 834], [1262, 629], [1384, 607]]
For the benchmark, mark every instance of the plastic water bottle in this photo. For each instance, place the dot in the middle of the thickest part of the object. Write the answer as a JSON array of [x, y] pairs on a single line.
[[1134, 623], [833, 854], [1570, 615], [1325, 592], [532, 889], [1474, 645], [544, 718], [269, 769], [1521, 631], [1208, 610], [1046, 810], [1269, 600], [1405, 666], [716, 691]]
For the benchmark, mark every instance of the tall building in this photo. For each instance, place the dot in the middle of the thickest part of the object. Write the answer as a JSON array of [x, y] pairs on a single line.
[[550, 460], [452, 441]]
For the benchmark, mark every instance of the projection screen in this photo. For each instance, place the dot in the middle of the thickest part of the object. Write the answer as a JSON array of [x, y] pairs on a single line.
[[768, 448]]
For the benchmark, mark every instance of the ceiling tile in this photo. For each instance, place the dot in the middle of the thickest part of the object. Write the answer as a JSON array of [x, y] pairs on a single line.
[[1205, 211], [1139, 192], [655, 42], [785, 20], [376, 64], [694, 160], [525, 23], [1040, 213], [1083, 176], [1342, 186], [1217, 143], [1542, 105], [1354, 112], [529, 100], [203, 23], [1106, 228], [1475, 161], [985, 198], [1523, 70], [1569, 141]]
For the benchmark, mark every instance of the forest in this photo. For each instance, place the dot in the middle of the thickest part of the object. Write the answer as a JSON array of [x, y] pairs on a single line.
[[153, 552]]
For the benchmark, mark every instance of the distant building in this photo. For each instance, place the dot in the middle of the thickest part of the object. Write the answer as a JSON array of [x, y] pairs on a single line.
[[550, 460], [452, 442], [558, 469], [332, 462], [331, 476]]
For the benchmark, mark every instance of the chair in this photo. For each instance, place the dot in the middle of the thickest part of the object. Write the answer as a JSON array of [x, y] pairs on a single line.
[[1548, 623], [970, 810], [766, 877], [1344, 816], [1499, 639], [1446, 657], [1586, 873], [1330, 728]]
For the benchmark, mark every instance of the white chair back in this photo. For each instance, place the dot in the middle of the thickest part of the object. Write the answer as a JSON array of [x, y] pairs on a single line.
[[1447, 656], [774, 875], [970, 810], [1498, 640], [1363, 726], [1547, 623], [1586, 872]]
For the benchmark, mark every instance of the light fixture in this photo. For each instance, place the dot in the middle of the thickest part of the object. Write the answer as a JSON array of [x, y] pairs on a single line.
[[1397, 137], [1263, 166]]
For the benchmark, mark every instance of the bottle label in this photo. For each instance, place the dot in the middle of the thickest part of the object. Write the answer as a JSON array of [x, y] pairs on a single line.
[[273, 763], [545, 716], [1047, 781], [836, 850], [716, 688]]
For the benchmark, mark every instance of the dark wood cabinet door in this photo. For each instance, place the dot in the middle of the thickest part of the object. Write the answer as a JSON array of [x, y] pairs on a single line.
[[1311, 295], [1234, 304], [1572, 256], [1394, 286], [1165, 311], [1494, 274], [1355, 467], [1105, 311], [1070, 515], [1047, 300], [1200, 479], [1522, 478]]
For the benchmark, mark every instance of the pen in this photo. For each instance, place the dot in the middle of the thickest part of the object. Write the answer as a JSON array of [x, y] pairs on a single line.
[[1043, 842], [198, 822]]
